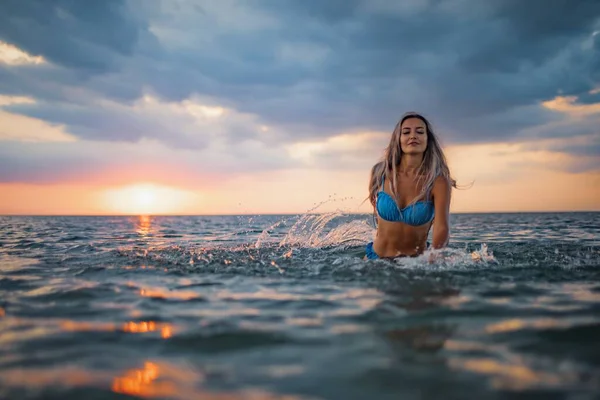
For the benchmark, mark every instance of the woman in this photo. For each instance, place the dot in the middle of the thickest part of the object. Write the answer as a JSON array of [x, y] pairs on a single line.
[[410, 186]]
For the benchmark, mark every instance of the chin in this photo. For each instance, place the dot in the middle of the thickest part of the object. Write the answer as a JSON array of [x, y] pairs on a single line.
[[413, 151]]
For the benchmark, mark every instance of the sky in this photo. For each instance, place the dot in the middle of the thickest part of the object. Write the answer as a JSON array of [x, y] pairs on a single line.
[[282, 106]]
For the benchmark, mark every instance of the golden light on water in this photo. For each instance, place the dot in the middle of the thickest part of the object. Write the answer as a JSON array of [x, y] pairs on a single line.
[[166, 380], [136, 327], [166, 329], [512, 376], [166, 332], [144, 225], [517, 324], [141, 382]]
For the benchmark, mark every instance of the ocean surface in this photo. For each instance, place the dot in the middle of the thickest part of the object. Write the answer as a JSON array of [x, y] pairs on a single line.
[[285, 307]]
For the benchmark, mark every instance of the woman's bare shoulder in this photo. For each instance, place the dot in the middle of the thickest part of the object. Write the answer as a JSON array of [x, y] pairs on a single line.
[[441, 185]]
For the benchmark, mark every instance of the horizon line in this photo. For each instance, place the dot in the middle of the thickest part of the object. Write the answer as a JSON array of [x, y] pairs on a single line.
[[284, 214]]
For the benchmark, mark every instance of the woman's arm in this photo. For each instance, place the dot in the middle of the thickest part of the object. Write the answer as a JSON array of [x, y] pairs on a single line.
[[441, 202]]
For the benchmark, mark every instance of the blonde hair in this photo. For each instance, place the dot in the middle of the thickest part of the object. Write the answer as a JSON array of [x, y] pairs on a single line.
[[434, 164]]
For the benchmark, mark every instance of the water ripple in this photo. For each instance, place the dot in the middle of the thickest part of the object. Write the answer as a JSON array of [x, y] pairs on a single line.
[[286, 307]]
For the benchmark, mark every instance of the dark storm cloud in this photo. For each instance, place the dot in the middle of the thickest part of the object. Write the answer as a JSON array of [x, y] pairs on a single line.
[[466, 64], [83, 35], [531, 32], [311, 68]]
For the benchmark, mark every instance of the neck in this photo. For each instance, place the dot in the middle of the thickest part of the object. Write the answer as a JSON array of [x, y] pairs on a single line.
[[410, 162]]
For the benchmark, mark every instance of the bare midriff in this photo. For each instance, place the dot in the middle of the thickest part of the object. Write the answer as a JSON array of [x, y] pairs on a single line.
[[397, 239]]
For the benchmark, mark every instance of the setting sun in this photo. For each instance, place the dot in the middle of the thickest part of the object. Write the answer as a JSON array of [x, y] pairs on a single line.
[[147, 199], [144, 197]]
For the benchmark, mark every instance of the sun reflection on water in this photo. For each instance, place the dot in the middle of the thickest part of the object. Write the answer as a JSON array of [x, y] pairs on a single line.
[[166, 329], [142, 382], [144, 225], [165, 294], [165, 332], [157, 379]]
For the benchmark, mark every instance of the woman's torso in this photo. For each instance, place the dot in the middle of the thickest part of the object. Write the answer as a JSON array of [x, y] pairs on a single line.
[[402, 229]]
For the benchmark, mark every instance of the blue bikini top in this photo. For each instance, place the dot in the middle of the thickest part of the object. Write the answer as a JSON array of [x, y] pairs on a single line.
[[415, 214]]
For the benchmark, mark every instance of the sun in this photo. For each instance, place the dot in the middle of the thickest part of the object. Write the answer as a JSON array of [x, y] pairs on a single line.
[[147, 199], [144, 197]]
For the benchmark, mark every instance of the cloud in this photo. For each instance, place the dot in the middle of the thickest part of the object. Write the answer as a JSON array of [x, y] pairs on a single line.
[[14, 127], [234, 44], [577, 153], [110, 163], [568, 105], [492, 164], [92, 37], [12, 55], [9, 100], [343, 152], [576, 134], [250, 82], [190, 124]]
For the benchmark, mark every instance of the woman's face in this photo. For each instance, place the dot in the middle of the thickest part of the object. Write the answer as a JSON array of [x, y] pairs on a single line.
[[413, 136]]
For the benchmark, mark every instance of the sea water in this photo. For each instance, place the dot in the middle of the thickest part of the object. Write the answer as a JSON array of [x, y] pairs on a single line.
[[285, 307]]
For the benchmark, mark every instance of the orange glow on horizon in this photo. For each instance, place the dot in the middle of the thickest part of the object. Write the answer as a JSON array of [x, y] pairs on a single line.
[[506, 178], [147, 199]]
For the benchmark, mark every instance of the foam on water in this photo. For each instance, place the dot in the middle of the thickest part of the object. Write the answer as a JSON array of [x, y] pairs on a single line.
[[334, 239], [327, 243]]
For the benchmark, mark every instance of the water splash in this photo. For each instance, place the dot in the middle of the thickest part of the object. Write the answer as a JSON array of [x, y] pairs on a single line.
[[330, 230], [316, 231], [328, 241], [332, 243], [312, 230], [449, 259]]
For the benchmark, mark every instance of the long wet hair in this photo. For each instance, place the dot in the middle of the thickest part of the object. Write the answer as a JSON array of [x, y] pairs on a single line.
[[434, 164]]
